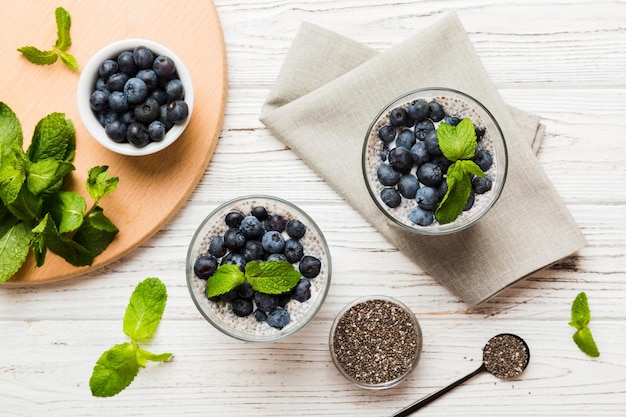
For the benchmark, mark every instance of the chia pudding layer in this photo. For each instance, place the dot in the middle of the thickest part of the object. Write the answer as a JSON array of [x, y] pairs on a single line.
[[219, 312], [455, 105]]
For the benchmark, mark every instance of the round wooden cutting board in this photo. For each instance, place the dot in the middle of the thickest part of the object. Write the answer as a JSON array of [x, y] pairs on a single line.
[[151, 188]]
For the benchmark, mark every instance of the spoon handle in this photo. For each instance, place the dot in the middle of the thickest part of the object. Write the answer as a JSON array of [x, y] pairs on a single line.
[[432, 397]]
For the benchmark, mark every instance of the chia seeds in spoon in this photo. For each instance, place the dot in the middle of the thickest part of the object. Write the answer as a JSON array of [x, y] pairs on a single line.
[[506, 356]]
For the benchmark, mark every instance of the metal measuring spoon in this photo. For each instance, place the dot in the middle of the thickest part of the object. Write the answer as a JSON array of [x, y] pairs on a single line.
[[505, 356]]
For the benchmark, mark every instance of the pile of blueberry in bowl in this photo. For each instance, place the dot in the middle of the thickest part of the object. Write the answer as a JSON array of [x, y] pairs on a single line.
[[258, 268], [135, 97], [434, 161]]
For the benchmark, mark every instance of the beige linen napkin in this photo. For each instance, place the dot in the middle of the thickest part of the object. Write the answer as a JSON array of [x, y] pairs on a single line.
[[324, 99]]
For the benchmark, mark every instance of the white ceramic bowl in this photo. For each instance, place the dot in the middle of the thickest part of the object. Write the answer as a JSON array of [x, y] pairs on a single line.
[[219, 313], [454, 103], [87, 82]]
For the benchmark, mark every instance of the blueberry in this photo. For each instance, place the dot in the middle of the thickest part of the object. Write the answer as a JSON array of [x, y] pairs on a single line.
[[406, 138], [174, 90], [245, 290], [391, 197], [156, 131], [143, 57], [164, 66], [483, 159], [277, 257], [106, 116], [295, 229], [432, 143], [452, 120], [442, 162], [418, 110], [163, 117], [242, 307], [128, 117], [283, 299], [265, 302], [136, 90], [273, 242], [126, 63], [275, 222], [310, 266], [117, 81], [293, 251], [101, 84], [436, 111], [260, 315], [481, 185], [205, 266], [278, 318], [399, 117], [302, 291], [401, 159], [117, 102], [159, 95], [99, 100], [117, 131], [217, 247], [107, 68], [251, 227], [422, 128], [427, 198], [408, 185], [177, 111], [480, 133], [430, 174], [137, 134], [470, 201], [387, 133], [234, 239], [420, 153], [253, 251], [387, 175], [149, 77], [234, 219], [147, 111], [421, 217], [442, 189], [259, 212], [383, 154], [230, 296], [234, 258]]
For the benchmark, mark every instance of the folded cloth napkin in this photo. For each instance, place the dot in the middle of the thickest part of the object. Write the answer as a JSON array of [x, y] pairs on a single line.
[[327, 93]]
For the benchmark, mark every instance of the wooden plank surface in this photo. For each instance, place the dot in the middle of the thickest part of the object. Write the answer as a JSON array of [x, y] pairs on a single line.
[[152, 188], [562, 59]]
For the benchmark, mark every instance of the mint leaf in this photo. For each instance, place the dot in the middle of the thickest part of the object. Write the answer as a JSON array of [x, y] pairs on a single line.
[[46, 173], [100, 183], [581, 316], [63, 246], [10, 128], [26, 206], [39, 57], [114, 370], [54, 137], [63, 42], [227, 277], [145, 309], [457, 142], [68, 210], [459, 188], [13, 171], [118, 366], [96, 232], [272, 277], [14, 246], [64, 22]]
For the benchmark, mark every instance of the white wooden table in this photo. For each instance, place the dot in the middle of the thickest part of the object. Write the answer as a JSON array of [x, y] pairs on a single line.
[[565, 60]]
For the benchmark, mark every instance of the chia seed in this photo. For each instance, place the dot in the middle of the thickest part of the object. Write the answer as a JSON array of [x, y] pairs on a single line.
[[376, 342], [506, 356]]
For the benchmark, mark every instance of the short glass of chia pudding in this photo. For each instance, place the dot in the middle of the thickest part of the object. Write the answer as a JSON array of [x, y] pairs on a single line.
[[279, 281], [375, 342], [434, 161]]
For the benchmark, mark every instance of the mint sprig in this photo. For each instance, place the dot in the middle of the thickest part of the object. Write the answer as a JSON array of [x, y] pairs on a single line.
[[458, 144], [59, 50], [581, 316], [36, 214], [269, 277], [117, 367]]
